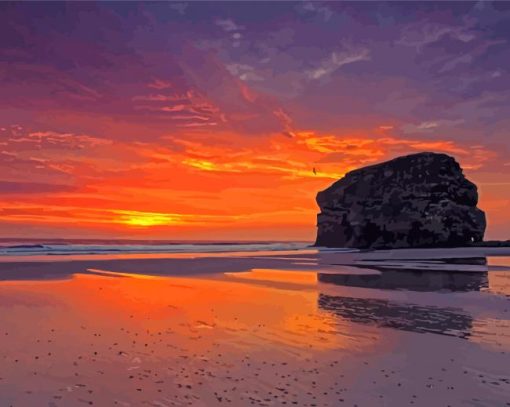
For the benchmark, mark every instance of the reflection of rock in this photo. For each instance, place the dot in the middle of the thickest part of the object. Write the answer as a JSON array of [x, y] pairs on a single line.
[[411, 280], [437, 276], [405, 317], [420, 200], [468, 264]]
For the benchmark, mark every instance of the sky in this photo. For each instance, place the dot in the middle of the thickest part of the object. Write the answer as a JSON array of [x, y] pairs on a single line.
[[205, 121]]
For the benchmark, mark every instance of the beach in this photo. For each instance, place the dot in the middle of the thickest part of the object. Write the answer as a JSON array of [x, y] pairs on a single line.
[[301, 327]]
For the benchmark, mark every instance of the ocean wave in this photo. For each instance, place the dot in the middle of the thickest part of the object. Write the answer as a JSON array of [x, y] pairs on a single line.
[[62, 248], [26, 246]]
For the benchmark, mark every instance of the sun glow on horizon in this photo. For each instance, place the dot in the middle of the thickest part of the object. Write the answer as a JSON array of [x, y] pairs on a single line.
[[147, 219]]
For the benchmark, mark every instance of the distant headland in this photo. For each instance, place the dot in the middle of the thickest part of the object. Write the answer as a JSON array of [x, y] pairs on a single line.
[[418, 200]]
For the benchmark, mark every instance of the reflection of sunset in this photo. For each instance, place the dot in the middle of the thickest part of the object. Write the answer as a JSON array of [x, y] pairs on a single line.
[[253, 313], [492, 333], [161, 338], [499, 275], [285, 276]]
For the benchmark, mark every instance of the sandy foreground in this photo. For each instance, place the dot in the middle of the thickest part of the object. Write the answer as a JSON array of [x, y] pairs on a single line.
[[304, 328]]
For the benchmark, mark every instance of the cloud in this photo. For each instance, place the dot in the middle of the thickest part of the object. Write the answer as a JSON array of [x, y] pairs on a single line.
[[190, 105], [159, 84], [423, 33], [386, 127], [198, 124], [50, 139], [179, 7], [244, 72], [470, 56], [431, 125], [286, 121], [13, 188], [338, 59], [331, 155], [228, 25], [50, 157], [316, 8], [233, 29]]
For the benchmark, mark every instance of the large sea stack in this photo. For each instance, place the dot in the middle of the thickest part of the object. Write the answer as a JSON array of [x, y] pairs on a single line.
[[419, 200]]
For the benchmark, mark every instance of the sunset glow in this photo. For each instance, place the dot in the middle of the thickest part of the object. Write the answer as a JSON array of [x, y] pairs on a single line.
[[185, 131], [144, 219], [211, 203]]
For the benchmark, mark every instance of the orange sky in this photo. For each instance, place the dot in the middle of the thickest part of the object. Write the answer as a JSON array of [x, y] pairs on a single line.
[[221, 186], [140, 120]]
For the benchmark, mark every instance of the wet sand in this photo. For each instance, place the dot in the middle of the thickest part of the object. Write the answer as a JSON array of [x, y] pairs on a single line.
[[298, 328]]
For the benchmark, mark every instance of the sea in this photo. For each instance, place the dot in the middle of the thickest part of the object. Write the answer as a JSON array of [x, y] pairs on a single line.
[[68, 247]]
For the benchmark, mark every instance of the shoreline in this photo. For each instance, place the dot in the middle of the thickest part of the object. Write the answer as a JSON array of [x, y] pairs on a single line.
[[194, 264]]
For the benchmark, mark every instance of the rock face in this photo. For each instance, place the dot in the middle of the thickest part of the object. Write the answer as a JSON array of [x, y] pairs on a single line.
[[419, 200]]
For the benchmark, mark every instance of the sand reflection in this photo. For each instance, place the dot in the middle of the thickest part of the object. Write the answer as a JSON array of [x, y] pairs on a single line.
[[256, 333]]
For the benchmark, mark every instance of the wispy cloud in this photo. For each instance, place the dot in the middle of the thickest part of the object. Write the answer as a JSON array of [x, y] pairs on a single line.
[[338, 59], [422, 33], [229, 25], [318, 8], [52, 138], [190, 106], [233, 30], [179, 7], [160, 84], [244, 72], [431, 125]]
